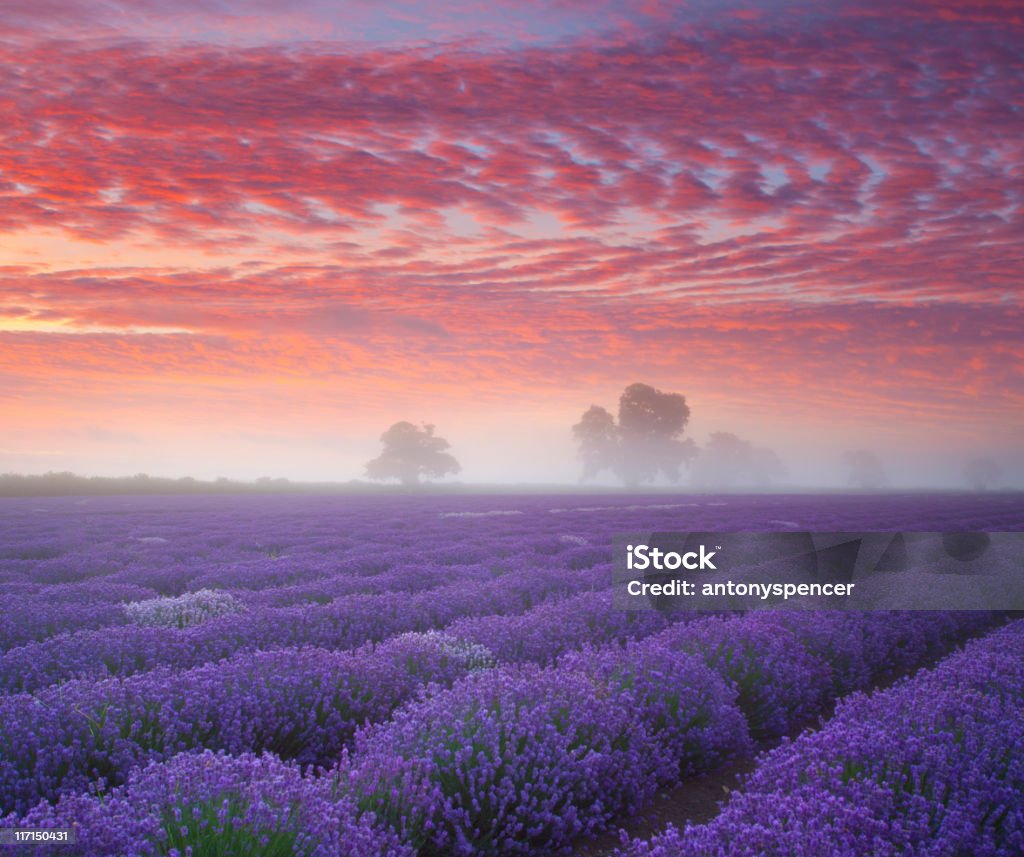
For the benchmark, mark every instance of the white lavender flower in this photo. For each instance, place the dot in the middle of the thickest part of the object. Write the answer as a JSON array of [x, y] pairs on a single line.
[[183, 611]]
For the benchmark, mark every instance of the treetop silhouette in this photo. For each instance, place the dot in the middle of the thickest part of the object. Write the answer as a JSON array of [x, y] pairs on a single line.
[[644, 443], [410, 453]]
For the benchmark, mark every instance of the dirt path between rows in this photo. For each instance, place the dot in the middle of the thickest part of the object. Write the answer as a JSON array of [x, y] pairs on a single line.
[[695, 800]]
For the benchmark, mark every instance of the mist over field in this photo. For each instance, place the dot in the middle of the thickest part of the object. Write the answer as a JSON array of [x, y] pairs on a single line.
[[547, 463], [516, 450]]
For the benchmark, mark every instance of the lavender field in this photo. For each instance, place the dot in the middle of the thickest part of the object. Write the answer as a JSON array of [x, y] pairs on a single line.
[[445, 675]]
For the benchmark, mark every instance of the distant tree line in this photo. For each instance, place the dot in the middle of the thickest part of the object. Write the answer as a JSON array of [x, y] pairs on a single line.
[[66, 483], [642, 443]]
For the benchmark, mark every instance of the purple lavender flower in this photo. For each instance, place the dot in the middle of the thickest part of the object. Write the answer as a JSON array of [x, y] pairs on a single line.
[[562, 625], [780, 685], [509, 761], [687, 709], [245, 806]]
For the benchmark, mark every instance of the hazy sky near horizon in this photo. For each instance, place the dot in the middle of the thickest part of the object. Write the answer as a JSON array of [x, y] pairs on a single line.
[[243, 239]]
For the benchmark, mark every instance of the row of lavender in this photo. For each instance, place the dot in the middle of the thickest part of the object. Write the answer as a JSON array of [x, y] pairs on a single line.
[[932, 765], [521, 758], [303, 704], [343, 623], [525, 760], [44, 612]]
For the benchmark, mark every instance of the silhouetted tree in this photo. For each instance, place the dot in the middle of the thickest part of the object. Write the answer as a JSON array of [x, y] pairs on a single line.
[[981, 473], [411, 452], [598, 440], [864, 469], [644, 443], [728, 460]]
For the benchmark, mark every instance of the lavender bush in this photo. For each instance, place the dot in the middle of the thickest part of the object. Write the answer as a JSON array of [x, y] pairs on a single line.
[[779, 684], [436, 648], [509, 761], [183, 611], [542, 634], [207, 804], [688, 710]]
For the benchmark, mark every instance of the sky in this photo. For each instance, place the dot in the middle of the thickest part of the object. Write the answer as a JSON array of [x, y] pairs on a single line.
[[243, 239]]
